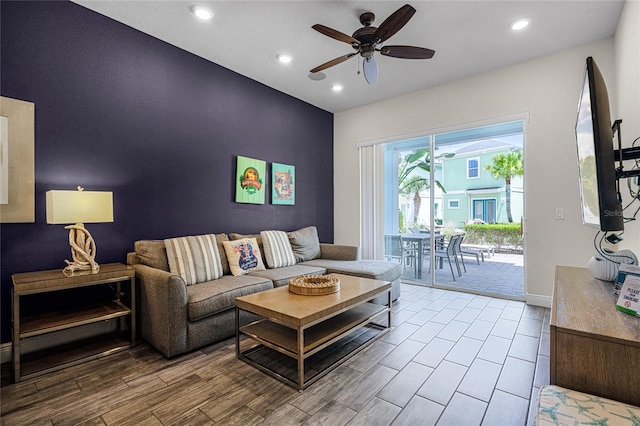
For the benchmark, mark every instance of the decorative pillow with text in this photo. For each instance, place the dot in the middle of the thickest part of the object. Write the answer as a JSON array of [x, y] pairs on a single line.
[[244, 256]]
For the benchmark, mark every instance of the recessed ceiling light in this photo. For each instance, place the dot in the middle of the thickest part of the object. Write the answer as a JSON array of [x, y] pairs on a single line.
[[202, 13], [284, 58], [337, 87], [520, 24]]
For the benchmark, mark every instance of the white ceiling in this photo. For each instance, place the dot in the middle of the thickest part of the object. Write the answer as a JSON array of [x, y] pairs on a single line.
[[469, 37]]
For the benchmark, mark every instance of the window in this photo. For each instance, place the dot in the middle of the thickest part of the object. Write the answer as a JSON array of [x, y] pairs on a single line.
[[473, 168], [454, 204]]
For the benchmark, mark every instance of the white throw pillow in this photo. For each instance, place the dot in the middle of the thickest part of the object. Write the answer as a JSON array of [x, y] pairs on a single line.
[[244, 256], [277, 249]]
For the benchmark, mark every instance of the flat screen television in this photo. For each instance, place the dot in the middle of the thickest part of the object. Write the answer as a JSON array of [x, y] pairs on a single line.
[[601, 206]]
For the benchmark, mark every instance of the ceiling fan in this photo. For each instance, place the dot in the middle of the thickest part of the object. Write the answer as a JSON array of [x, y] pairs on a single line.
[[367, 40]]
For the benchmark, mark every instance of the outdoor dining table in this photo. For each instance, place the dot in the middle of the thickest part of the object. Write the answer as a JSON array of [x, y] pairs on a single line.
[[422, 241]]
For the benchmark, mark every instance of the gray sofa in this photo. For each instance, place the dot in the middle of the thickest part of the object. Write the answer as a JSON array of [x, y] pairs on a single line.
[[176, 318]]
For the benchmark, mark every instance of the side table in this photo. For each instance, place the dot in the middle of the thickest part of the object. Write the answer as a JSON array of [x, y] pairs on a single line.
[[54, 320]]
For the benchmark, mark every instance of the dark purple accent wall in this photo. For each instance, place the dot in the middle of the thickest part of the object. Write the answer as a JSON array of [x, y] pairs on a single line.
[[118, 110]]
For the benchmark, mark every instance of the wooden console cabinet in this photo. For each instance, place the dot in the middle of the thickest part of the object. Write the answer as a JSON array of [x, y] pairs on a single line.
[[594, 348], [55, 319]]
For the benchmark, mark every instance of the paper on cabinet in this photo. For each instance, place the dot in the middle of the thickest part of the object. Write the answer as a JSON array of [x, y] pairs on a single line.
[[629, 281]]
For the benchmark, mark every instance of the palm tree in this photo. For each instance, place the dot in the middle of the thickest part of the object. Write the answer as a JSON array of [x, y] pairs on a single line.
[[507, 166], [414, 186], [408, 183]]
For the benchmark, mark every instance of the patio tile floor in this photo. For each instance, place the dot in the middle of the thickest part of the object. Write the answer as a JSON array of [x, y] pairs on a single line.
[[499, 275]]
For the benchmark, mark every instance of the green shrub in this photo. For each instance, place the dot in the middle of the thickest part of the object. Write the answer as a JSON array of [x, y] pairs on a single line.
[[502, 236]]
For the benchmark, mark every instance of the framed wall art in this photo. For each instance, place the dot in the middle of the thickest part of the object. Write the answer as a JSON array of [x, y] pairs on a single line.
[[17, 175], [250, 180], [283, 188]]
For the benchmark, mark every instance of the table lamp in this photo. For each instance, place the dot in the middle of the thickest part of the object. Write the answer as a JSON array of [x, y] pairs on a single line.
[[76, 207]]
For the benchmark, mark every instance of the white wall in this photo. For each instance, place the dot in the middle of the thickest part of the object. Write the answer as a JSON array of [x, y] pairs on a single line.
[[627, 107], [546, 89], [627, 46]]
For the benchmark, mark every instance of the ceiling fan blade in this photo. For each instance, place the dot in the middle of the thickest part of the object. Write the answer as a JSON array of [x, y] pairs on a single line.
[[335, 34], [394, 23], [332, 62], [407, 52]]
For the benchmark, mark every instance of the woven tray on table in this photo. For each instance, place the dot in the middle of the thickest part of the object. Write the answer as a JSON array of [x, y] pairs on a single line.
[[314, 285]]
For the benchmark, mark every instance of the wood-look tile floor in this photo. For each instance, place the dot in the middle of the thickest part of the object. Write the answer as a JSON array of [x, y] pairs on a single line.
[[451, 359]]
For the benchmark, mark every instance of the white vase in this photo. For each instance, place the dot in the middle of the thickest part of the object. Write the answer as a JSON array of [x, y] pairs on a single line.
[[602, 269]]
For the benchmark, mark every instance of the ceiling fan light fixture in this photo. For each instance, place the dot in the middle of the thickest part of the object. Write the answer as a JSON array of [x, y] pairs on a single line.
[[202, 13], [284, 58], [520, 24], [337, 87], [370, 69], [317, 76]]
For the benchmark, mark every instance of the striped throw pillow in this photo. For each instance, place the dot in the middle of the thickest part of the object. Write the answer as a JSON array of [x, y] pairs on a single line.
[[196, 258], [277, 249]]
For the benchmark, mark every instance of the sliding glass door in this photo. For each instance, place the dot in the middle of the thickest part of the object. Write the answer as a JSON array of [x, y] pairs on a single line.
[[444, 195]]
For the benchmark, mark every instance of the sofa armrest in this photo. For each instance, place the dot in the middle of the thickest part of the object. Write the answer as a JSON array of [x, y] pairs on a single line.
[[163, 309], [133, 258], [339, 252]]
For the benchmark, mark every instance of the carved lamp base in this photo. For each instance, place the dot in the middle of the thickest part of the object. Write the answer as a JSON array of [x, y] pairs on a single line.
[[83, 251]]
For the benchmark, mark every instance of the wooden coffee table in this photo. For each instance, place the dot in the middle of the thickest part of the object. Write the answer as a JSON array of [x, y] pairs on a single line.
[[300, 338]]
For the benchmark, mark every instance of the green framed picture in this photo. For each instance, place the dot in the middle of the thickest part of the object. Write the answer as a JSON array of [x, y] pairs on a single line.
[[250, 180], [283, 188]]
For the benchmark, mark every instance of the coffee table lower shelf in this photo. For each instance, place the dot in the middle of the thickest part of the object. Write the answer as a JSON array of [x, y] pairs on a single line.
[[322, 347]]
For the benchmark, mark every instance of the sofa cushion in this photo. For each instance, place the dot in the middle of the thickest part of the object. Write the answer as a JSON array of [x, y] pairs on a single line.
[[152, 253], [281, 276], [244, 256], [305, 243], [211, 297], [375, 269], [194, 258], [557, 405], [223, 255], [277, 249]]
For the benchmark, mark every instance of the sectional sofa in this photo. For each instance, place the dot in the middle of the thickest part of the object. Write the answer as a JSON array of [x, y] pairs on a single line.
[[187, 286]]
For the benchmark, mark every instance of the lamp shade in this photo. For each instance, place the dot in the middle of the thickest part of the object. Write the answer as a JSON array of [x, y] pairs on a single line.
[[79, 206]]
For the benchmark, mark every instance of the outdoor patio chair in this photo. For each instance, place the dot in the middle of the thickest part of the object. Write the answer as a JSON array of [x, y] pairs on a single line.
[[458, 250], [449, 253], [480, 248], [439, 243], [394, 248], [470, 251]]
